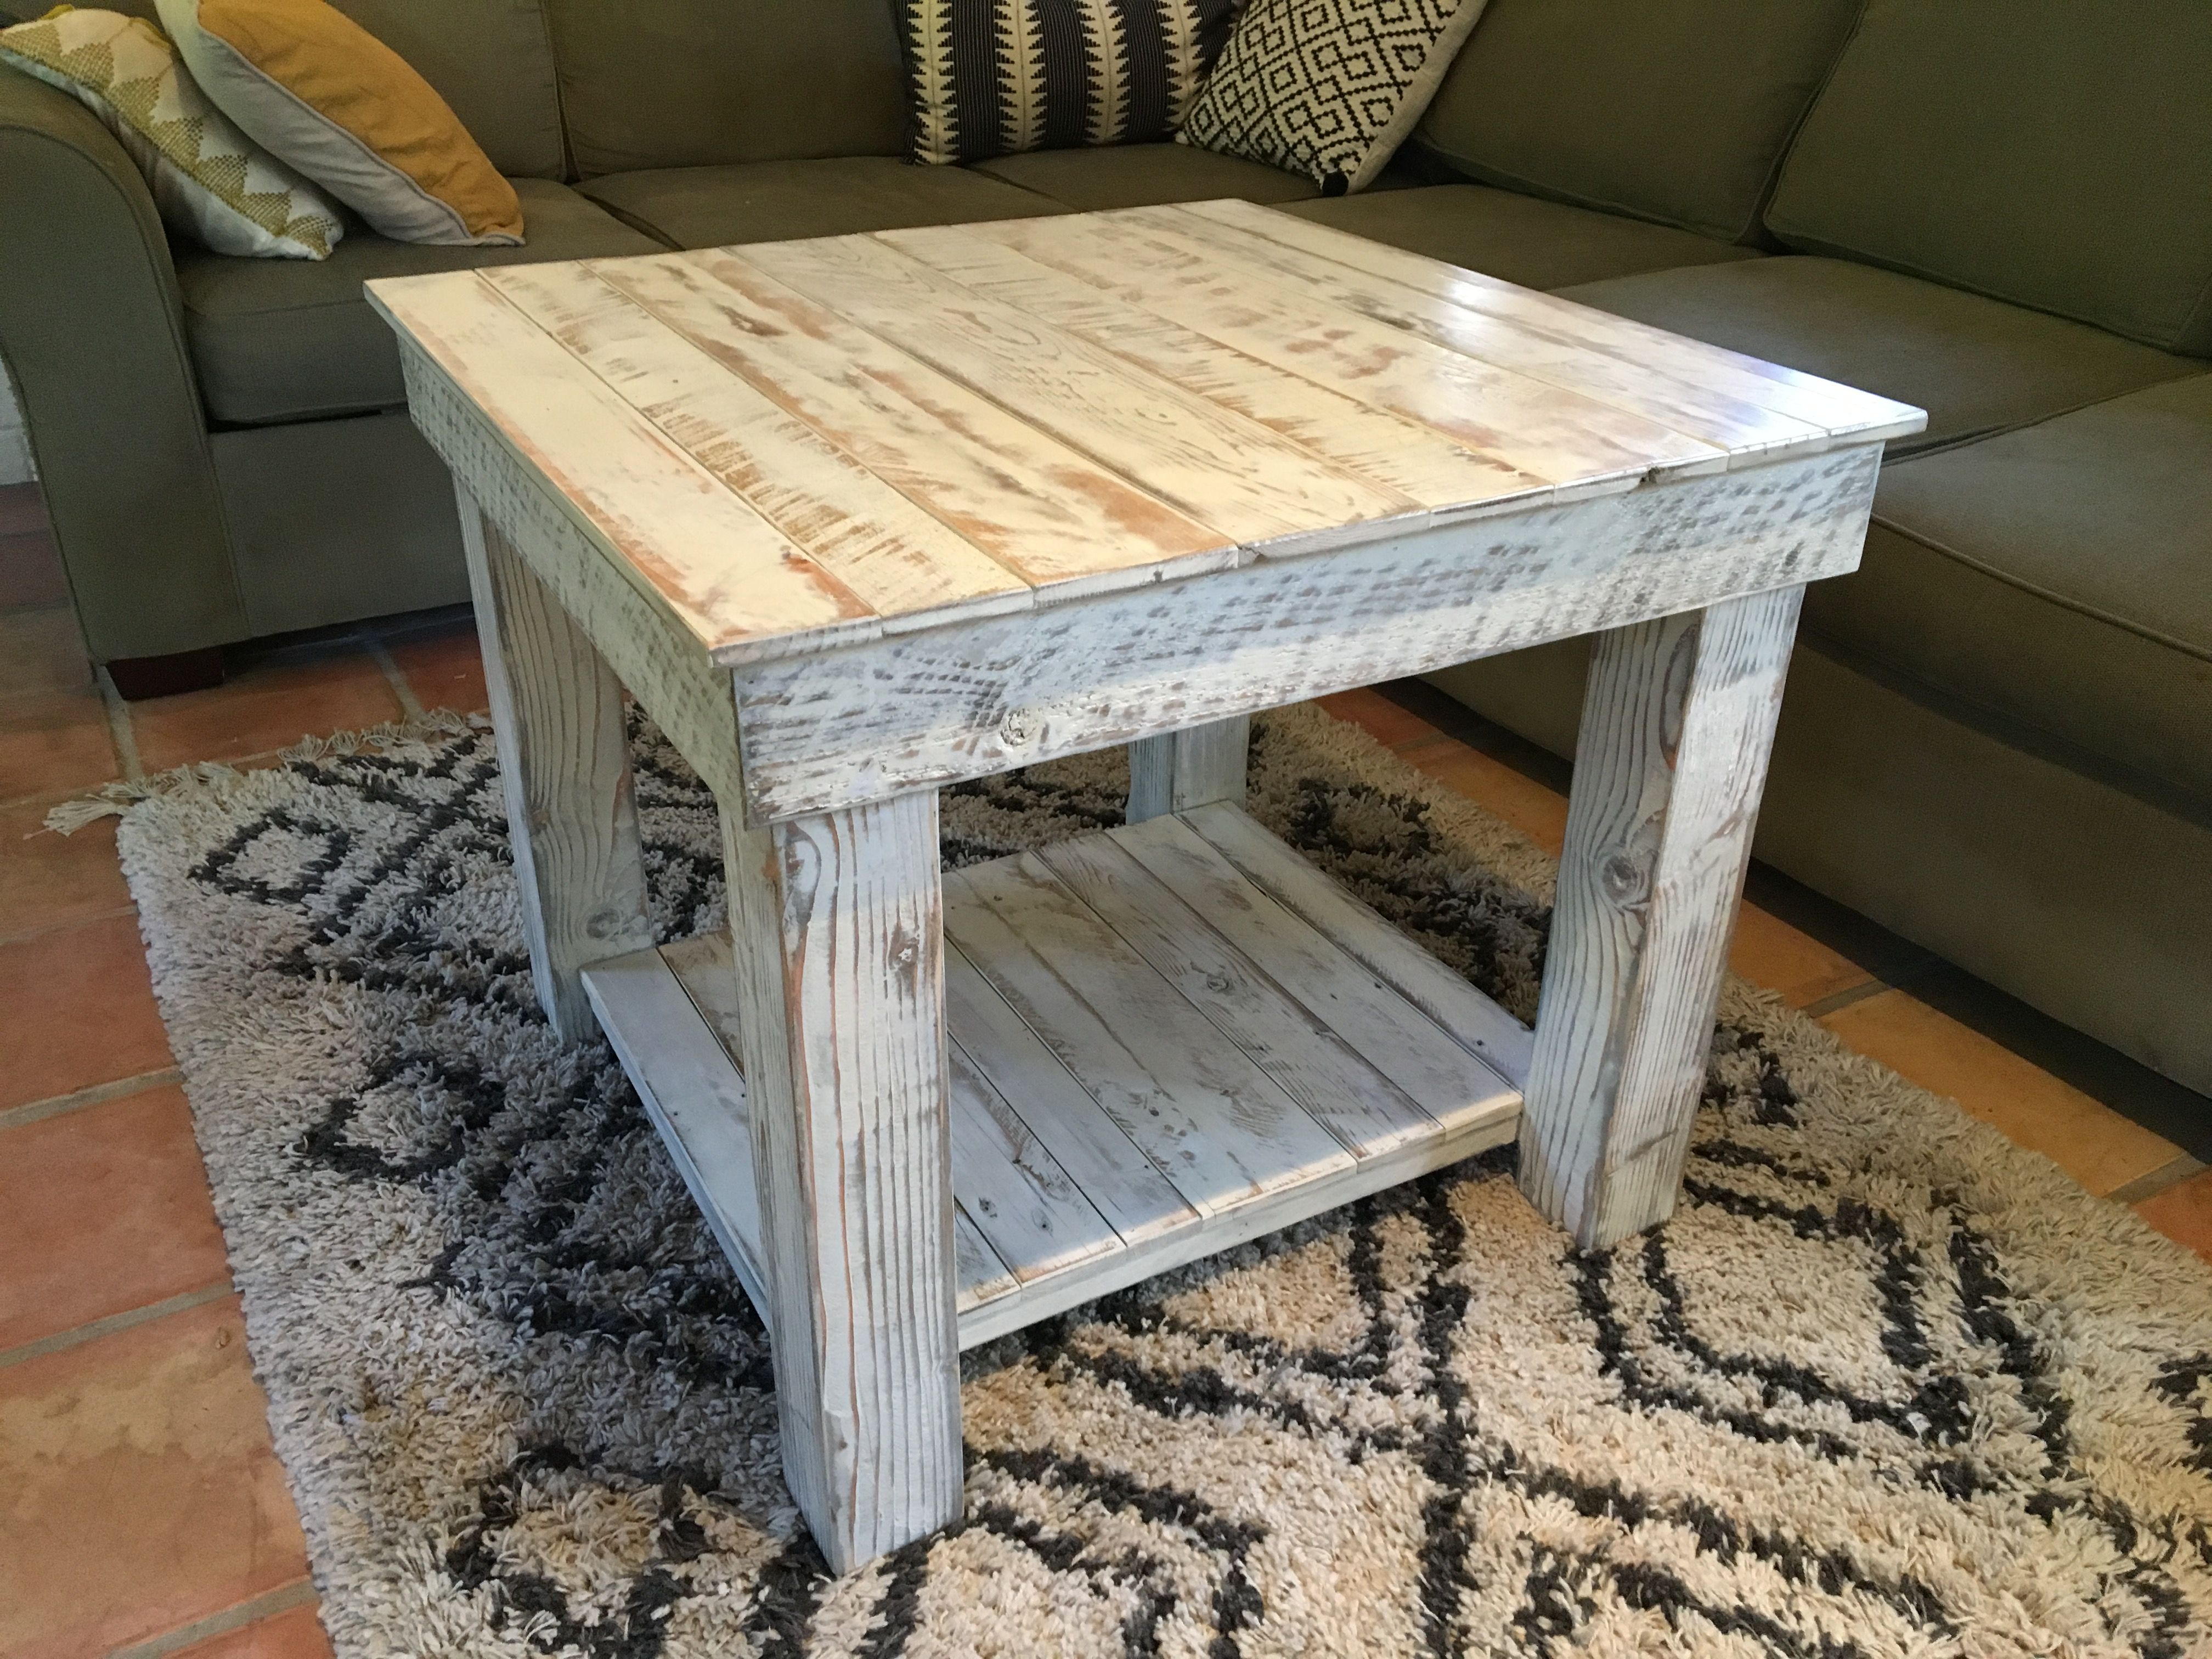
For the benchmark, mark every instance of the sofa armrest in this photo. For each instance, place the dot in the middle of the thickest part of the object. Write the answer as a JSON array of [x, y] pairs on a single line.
[[92, 332]]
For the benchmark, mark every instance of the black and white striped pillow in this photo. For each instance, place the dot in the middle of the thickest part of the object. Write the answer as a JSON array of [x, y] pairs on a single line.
[[995, 77]]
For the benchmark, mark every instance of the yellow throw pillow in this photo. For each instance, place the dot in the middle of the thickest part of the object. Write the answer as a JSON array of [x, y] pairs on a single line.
[[315, 88], [209, 180]]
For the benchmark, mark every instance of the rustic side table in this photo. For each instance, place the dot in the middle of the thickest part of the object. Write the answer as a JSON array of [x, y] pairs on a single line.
[[859, 518]]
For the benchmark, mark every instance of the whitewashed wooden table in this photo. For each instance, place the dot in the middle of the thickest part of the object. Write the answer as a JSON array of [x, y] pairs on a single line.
[[859, 518]]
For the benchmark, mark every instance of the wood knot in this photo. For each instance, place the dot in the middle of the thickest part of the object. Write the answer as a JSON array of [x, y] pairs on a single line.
[[1621, 877], [1019, 726]]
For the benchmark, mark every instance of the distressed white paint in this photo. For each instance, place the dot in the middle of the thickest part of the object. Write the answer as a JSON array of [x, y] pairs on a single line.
[[1667, 774], [935, 707], [836, 937], [565, 763]]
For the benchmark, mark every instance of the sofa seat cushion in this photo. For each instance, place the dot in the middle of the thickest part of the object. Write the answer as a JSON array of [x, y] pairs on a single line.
[[1522, 239], [2060, 575], [1977, 366], [1145, 175], [284, 340], [785, 201]]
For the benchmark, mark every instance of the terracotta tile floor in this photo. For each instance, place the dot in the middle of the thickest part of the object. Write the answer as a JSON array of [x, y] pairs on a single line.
[[142, 1510]]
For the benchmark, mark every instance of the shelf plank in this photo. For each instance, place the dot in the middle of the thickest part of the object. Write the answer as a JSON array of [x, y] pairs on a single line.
[[690, 1089], [1372, 1017], [1206, 1115], [1137, 1200], [1009, 1187], [1063, 1192], [1485, 1030], [1312, 1063], [982, 1277]]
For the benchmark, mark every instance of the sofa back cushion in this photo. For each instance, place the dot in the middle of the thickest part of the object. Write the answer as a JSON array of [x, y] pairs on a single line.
[[1673, 111], [669, 83], [491, 61], [2052, 153]]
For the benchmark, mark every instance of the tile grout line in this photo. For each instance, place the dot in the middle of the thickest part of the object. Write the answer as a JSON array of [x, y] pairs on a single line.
[[1837, 1001], [118, 727], [80, 1334], [300, 1592], [2151, 1183], [409, 704], [85, 921], [55, 1105]]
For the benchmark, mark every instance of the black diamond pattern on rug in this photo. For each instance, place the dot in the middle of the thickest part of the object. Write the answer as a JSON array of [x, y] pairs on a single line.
[[1847, 1403]]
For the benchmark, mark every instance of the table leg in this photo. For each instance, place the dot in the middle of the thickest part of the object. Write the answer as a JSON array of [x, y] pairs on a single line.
[[1183, 769], [556, 713], [1667, 774], [838, 929]]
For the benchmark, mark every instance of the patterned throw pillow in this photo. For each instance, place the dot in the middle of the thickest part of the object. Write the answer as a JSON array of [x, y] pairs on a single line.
[[209, 179], [309, 84], [1328, 89], [996, 78]]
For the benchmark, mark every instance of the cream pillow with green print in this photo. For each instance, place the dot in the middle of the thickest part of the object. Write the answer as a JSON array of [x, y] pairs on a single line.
[[211, 181]]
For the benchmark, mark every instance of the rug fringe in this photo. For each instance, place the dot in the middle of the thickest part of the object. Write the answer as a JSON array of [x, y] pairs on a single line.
[[112, 800]]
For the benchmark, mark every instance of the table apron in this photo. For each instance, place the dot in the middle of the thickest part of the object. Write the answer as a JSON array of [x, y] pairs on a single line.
[[866, 722]]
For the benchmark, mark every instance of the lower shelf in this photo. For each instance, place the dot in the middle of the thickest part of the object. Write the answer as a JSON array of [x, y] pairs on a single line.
[[1163, 1040]]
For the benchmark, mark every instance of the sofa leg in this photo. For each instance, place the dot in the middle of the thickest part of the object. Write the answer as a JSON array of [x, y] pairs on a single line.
[[139, 678]]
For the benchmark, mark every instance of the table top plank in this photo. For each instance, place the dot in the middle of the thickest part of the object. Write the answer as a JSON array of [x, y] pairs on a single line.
[[1844, 411], [1393, 450], [1033, 504], [728, 574], [880, 544], [1746, 429], [1574, 443], [1222, 469]]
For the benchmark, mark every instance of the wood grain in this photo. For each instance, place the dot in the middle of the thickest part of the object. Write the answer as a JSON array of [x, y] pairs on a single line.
[[1040, 508], [1485, 1030], [1667, 772], [837, 938], [1309, 1058], [1843, 411], [935, 706], [1401, 454], [1196, 766], [1572, 442], [564, 765], [1206, 1116], [686, 1077], [1743, 428], [654, 654], [1374, 1019], [1222, 469], [878, 544], [733, 578]]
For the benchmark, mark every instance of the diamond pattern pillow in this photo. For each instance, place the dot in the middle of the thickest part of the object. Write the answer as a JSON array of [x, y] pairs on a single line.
[[1328, 89], [209, 180], [996, 78]]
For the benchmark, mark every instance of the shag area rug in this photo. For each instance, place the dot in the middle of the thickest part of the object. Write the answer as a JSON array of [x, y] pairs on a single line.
[[1884, 1386]]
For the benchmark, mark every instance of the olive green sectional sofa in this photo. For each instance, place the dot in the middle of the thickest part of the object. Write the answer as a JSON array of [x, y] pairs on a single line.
[[1998, 736]]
